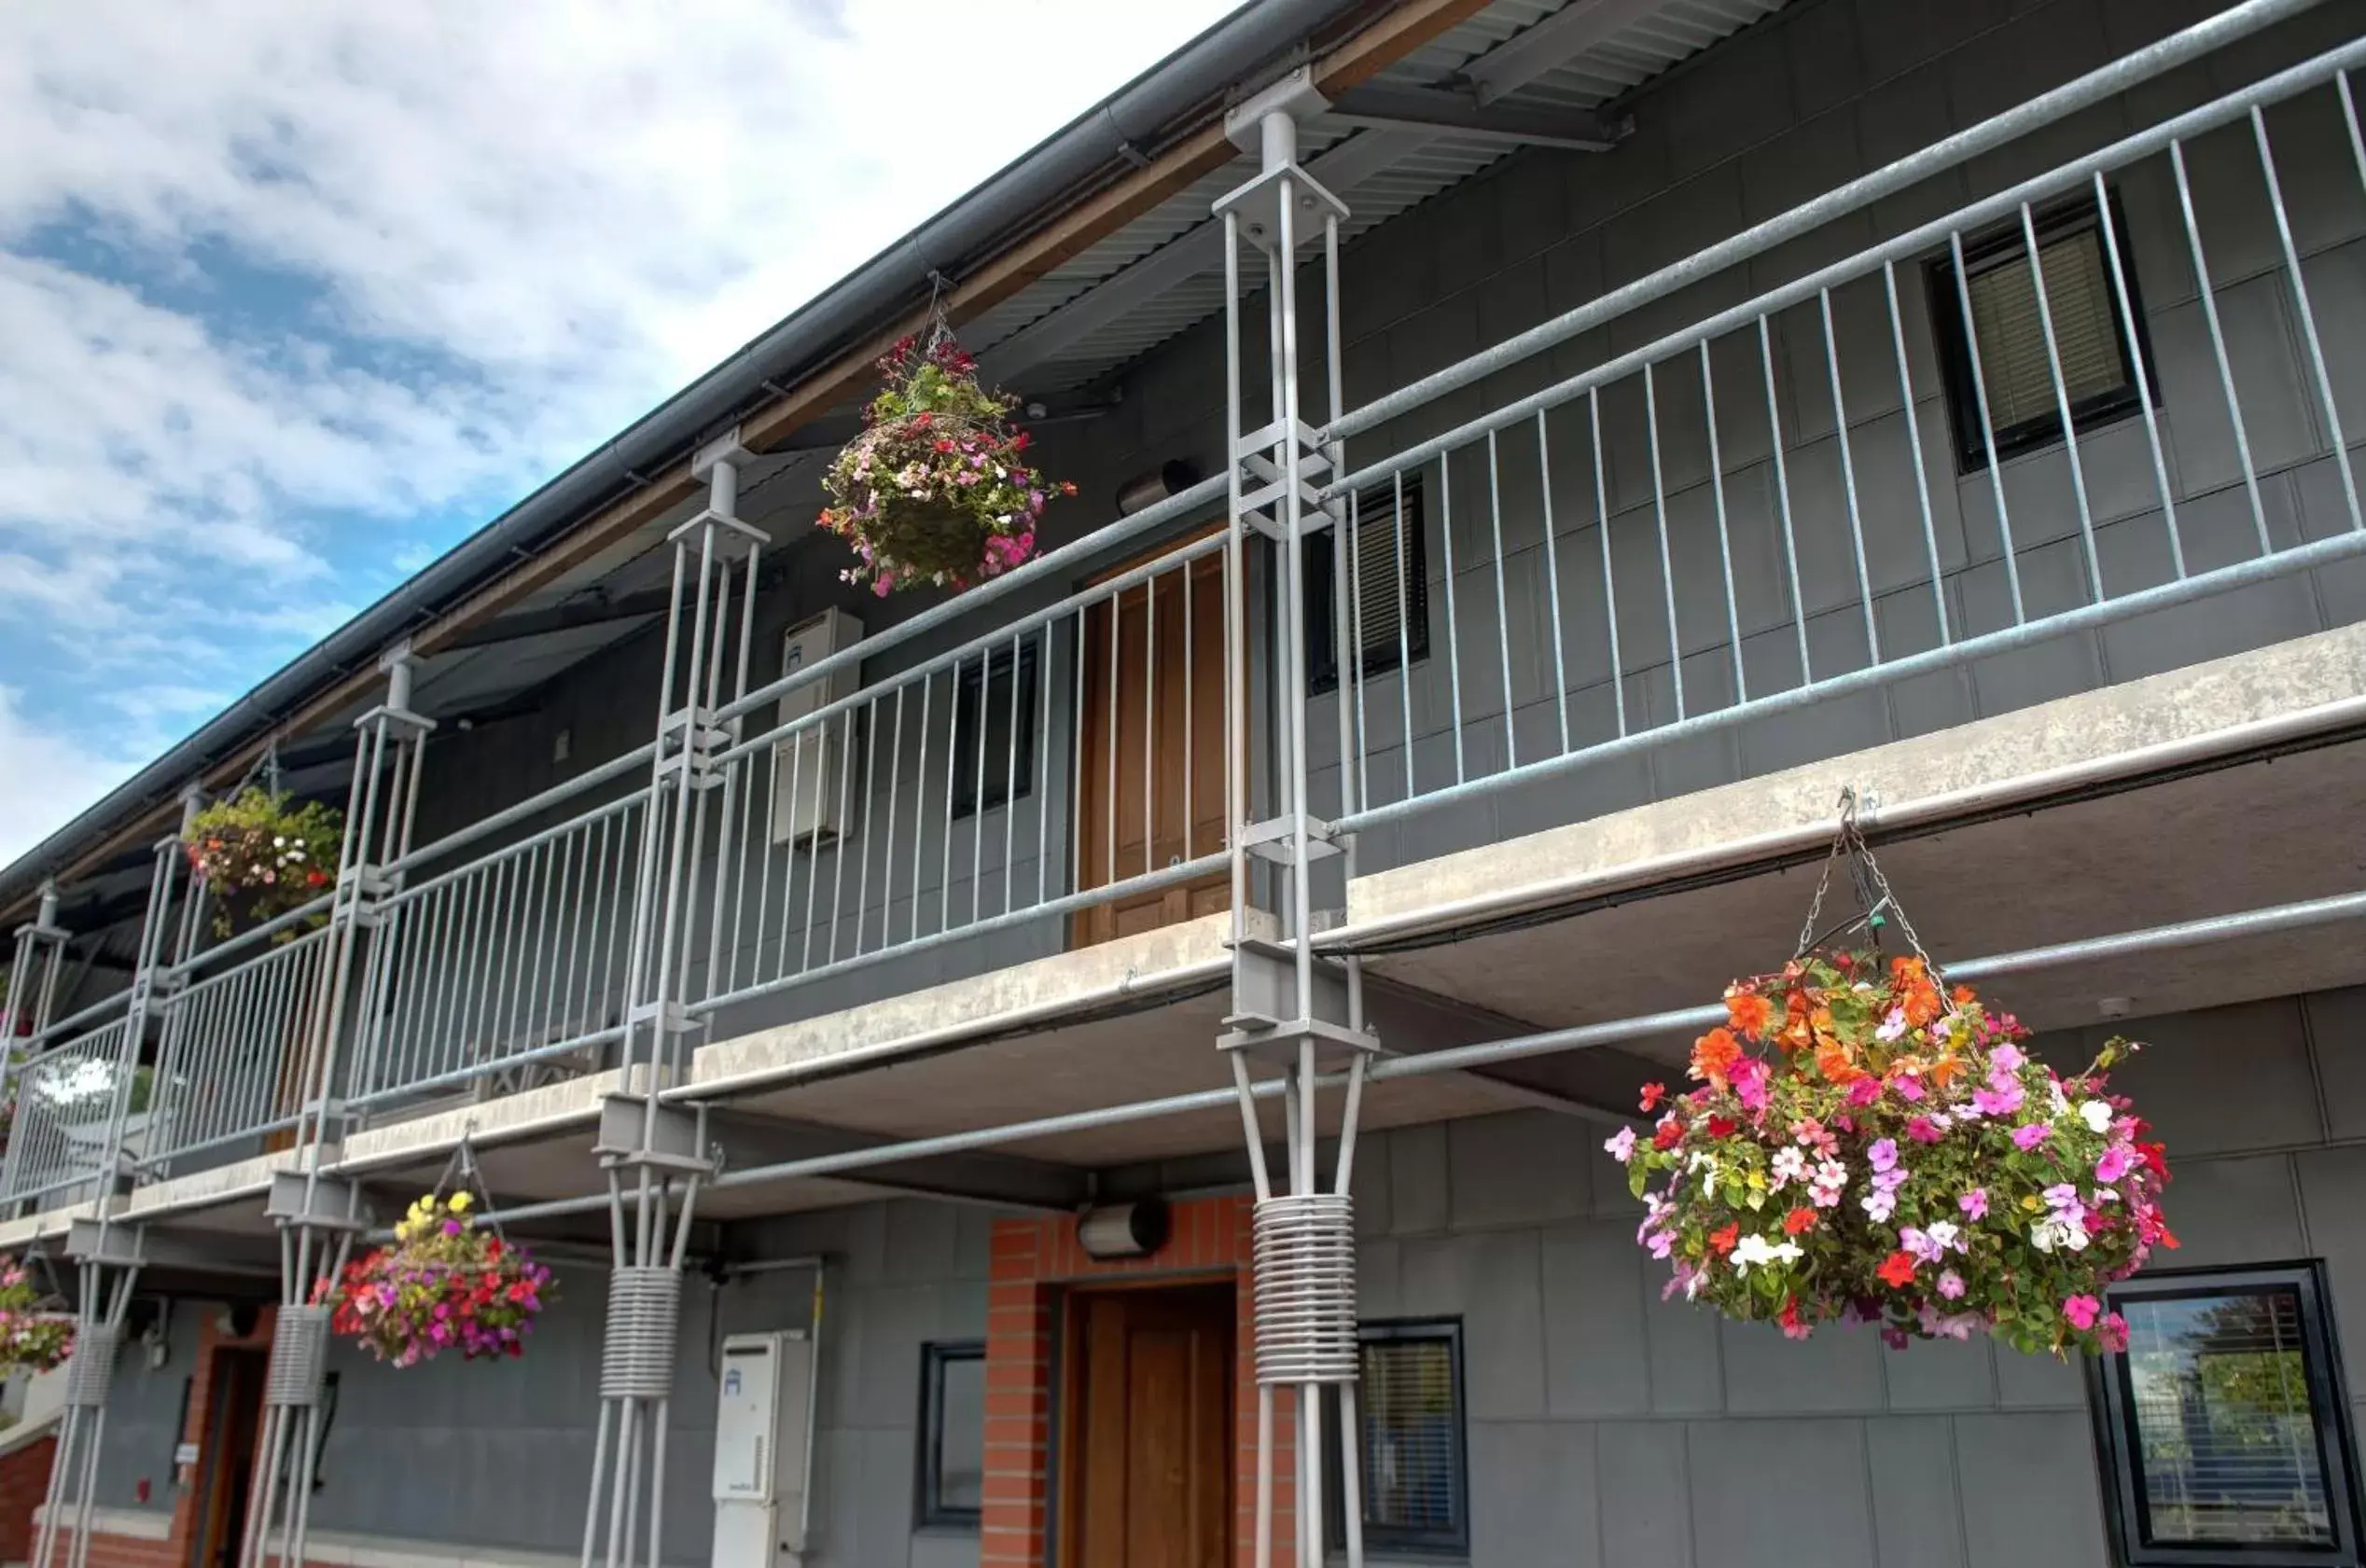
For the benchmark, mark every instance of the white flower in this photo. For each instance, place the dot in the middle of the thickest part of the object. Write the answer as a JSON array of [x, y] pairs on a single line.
[[2058, 1231], [1758, 1250], [278, 842], [2096, 1115], [1944, 1235], [1789, 1165]]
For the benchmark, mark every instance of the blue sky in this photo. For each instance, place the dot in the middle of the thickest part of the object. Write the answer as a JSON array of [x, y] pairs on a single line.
[[294, 296]]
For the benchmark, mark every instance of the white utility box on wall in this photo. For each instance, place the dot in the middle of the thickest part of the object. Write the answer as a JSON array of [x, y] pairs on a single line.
[[761, 1419], [816, 761]]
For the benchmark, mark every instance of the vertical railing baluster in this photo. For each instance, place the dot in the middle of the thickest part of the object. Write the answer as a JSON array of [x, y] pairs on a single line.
[[1551, 582], [1609, 578], [2218, 344], [1915, 449], [1404, 628], [2145, 387], [1848, 479], [2061, 403], [894, 790], [1988, 427], [1503, 618], [1453, 640], [1660, 517], [1782, 498], [1724, 533], [2308, 317]]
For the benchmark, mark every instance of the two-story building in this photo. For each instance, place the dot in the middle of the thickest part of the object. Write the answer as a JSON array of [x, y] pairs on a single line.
[[1534, 456]]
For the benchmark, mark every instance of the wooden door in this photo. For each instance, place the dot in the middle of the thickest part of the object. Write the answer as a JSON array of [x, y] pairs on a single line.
[[227, 1459], [1151, 794], [1147, 1477]]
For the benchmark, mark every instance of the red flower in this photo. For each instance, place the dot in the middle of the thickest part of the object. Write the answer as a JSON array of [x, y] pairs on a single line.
[[1671, 1133], [1724, 1241], [1653, 1095], [1899, 1270], [1798, 1220], [2156, 1156], [1722, 1127]]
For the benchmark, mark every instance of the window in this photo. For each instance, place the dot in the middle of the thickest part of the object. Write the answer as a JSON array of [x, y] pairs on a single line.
[[952, 1434], [1388, 598], [992, 673], [1410, 1442], [2099, 362], [2224, 1426]]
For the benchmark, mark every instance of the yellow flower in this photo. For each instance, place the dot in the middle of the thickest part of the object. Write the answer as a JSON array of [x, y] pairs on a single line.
[[459, 1202], [2031, 1204]]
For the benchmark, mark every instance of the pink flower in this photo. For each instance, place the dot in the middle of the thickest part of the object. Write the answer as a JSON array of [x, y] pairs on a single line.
[[2000, 1098], [1621, 1144], [1922, 1130], [1974, 1203], [2081, 1311], [2029, 1134], [1864, 1091], [2010, 1057], [2113, 1334], [1908, 1087], [1951, 1285], [2114, 1163], [1883, 1155]]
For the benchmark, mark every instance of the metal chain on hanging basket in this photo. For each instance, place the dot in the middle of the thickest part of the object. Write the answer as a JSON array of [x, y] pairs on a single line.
[[1877, 901]]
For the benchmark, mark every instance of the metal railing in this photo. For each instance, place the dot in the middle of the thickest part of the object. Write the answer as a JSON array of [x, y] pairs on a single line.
[[1791, 453], [67, 1098], [234, 1039], [504, 962], [1035, 772]]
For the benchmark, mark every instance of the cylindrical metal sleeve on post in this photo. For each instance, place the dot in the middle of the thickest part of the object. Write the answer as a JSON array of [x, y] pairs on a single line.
[[645, 1306], [299, 1358], [1303, 1249], [90, 1373]]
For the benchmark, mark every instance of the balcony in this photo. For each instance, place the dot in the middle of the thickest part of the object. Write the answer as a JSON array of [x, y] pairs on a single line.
[[1608, 585]]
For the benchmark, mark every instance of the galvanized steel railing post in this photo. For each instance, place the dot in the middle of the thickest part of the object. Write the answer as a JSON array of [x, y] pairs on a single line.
[[1291, 1011], [654, 1154]]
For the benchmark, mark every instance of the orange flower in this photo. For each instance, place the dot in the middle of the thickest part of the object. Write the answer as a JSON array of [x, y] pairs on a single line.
[[1833, 1061], [1899, 1270], [1714, 1054], [1963, 997], [1749, 1012], [1910, 982]]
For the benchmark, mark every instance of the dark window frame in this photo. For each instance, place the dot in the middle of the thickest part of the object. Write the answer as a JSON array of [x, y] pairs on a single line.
[[930, 1511], [2006, 245], [1322, 645], [1380, 1540], [974, 684], [2110, 1401]]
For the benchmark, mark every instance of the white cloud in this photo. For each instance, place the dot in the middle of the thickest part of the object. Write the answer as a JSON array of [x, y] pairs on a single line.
[[291, 293], [47, 779]]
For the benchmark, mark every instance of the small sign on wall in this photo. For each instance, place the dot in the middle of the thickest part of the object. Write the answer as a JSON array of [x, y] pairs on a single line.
[[185, 1455]]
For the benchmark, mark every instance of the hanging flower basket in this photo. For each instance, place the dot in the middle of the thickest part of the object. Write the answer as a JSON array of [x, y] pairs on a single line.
[[33, 1337], [1864, 1146], [262, 854], [443, 1284], [937, 490]]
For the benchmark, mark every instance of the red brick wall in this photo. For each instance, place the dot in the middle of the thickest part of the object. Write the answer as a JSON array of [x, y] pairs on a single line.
[[1031, 1260], [24, 1480]]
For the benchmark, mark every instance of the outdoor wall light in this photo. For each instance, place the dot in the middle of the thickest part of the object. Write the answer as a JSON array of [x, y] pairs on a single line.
[[1168, 478], [1123, 1229]]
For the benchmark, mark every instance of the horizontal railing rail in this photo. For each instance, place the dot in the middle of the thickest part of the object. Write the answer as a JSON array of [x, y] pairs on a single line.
[[1832, 560]]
